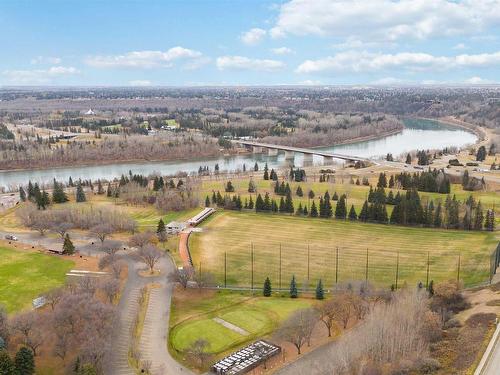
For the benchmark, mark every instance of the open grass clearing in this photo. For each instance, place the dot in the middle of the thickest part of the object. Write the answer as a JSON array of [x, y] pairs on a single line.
[[236, 233], [193, 313], [26, 275]]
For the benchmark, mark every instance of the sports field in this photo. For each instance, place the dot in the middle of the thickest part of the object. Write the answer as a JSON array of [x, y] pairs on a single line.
[[26, 275], [309, 251], [193, 318]]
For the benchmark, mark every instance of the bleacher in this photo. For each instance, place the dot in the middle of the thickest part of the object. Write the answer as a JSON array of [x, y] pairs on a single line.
[[246, 359]]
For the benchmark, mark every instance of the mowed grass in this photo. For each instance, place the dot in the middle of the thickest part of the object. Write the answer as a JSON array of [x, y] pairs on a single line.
[[25, 276], [309, 251], [258, 316]]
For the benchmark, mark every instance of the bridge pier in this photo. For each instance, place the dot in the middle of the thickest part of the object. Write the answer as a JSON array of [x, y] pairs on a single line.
[[327, 160], [308, 160], [257, 150], [289, 155], [272, 151]]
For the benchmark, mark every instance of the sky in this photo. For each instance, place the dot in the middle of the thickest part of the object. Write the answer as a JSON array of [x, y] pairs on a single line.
[[249, 42]]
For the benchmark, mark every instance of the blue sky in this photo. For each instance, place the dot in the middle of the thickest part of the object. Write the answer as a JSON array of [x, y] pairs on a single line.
[[298, 42]]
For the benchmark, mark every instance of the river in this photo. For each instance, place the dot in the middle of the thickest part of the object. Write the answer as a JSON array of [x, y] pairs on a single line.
[[417, 134]]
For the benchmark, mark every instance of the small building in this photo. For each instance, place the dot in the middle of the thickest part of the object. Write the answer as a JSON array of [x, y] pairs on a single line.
[[90, 112], [175, 227], [195, 220], [246, 359]]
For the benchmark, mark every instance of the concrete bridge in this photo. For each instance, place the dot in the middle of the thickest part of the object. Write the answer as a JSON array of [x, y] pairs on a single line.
[[272, 149]]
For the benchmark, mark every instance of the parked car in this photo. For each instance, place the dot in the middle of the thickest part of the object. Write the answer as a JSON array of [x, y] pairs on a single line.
[[11, 237]]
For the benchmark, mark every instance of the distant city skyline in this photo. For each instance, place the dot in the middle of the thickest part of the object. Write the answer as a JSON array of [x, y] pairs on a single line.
[[218, 43]]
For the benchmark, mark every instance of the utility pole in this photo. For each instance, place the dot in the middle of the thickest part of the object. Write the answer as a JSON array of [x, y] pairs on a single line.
[[225, 269], [366, 275], [428, 266], [308, 254], [458, 269], [252, 265], [337, 266], [397, 271], [280, 269]]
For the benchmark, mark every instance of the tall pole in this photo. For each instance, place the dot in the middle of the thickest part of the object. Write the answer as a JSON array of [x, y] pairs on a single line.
[[225, 269], [252, 265], [428, 266], [280, 269], [337, 266], [308, 253], [366, 273], [458, 269], [397, 270]]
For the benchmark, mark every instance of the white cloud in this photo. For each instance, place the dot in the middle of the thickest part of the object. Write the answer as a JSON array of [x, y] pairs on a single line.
[[253, 36], [386, 19], [363, 61], [144, 59], [460, 46], [388, 81], [45, 60], [245, 63], [38, 76], [281, 51], [310, 82], [140, 83], [478, 81]]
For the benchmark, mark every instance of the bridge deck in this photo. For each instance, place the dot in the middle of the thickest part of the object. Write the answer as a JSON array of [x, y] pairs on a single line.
[[308, 151]]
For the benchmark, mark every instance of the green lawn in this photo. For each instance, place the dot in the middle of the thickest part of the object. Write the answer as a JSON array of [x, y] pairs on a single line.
[[25, 276], [192, 319], [309, 251]]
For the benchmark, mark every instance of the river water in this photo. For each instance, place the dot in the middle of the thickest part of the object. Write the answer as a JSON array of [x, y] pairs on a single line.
[[417, 134]]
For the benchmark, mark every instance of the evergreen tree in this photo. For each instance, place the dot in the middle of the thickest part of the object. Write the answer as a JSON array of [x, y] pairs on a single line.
[[335, 196], [100, 189], [6, 364], [250, 203], [58, 194], [70, 182], [24, 362], [294, 293], [391, 182], [352, 214], [267, 202], [282, 207], [304, 211], [300, 210], [109, 193], [267, 288], [259, 203], [364, 214], [256, 167], [341, 209], [430, 288], [408, 159], [299, 191], [478, 217], [214, 197], [80, 194], [382, 180], [311, 194], [481, 153], [314, 210], [229, 187], [68, 247], [320, 293], [289, 203], [266, 172], [251, 186], [489, 223], [207, 201], [22, 194]]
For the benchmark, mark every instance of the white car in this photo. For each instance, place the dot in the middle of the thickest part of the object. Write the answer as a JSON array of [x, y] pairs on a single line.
[[11, 237]]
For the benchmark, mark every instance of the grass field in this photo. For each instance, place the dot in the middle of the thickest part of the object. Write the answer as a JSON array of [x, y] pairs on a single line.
[[192, 318], [25, 275], [356, 194], [237, 233]]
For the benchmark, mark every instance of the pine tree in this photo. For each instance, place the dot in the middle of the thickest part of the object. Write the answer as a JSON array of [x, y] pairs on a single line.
[[364, 214], [267, 288], [335, 196], [314, 210], [311, 194], [299, 191], [24, 362], [100, 189], [58, 194], [289, 203], [408, 159], [259, 203], [481, 153], [251, 186], [70, 182], [256, 167], [22, 194], [80, 194], [161, 227], [266, 172], [352, 213], [489, 223], [341, 209], [320, 293], [68, 247], [438, 216], [207, 201], [229, 187], [6, 364], [250, 203], [267, 203], [300, 210], [109, 192], [294, 293]]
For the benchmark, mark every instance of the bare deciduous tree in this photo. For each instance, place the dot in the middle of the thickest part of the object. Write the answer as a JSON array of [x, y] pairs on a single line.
[[141, 239], [61, 228], [298, 328], [102, 231], [110, 287], [181, 276], [28, 326], [198, 351], [53, 297], [149, 255]]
